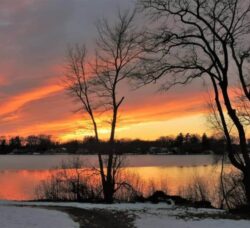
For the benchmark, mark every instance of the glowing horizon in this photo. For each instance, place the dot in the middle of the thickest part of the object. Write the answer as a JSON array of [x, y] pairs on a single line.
[[34, 38]]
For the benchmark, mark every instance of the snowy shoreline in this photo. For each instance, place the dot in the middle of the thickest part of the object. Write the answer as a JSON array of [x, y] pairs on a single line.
[[146, 215]]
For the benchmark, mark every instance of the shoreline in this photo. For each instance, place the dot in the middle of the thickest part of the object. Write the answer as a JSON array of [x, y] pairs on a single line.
[[132, 215]]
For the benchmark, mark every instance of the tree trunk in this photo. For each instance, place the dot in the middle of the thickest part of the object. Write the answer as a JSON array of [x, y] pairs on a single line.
[[244, 165], [246, 182], [108, 191], [109, 187]]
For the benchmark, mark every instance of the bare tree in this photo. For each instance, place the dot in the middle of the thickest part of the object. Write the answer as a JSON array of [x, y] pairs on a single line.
[[202, 39], [116, 56], [243, 106], [78, 82]]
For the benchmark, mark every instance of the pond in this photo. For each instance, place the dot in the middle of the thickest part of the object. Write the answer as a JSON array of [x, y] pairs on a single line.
[[21, 174]]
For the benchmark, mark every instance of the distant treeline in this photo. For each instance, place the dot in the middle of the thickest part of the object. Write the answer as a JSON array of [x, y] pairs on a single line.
[[181, 144]]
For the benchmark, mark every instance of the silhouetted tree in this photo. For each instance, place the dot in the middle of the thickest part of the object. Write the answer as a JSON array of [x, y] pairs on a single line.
[[40, 143], [15, 143], [45, 143], [205, 142], [179, 139], [202, 39], [3, 145], [72, 146], [116, 55], [194, 139]]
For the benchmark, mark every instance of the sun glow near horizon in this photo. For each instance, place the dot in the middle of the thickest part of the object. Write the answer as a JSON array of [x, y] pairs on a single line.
[[147, 130], [34, 102]]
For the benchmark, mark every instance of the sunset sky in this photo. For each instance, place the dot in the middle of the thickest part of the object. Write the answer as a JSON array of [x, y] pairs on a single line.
[[34, 35]]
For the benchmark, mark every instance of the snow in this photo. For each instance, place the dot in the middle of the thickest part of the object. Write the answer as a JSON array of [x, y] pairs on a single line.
[[27, 217], [158, 222], [147, 215], [115, 206], [165, 218]]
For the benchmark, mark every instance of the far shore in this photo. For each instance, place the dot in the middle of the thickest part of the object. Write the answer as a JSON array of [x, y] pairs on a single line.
[[125, 154]]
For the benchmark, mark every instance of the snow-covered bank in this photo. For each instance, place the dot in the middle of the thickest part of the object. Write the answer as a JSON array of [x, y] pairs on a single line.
[[181, 218], [26, 217], [146, 215], [150, 221]]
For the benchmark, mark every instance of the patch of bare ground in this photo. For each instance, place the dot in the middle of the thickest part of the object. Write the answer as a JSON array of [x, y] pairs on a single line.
[[204, 215], [98, 218]]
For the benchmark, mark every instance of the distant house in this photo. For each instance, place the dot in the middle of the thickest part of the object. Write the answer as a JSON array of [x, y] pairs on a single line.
[[36, 153], [175, 150], [158, 150], [61, 150], [82, 151], [208, 152], [17, 151]]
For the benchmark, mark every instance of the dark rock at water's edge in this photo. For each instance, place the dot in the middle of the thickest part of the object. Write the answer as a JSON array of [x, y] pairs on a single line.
[[160, 196], [243, 210]]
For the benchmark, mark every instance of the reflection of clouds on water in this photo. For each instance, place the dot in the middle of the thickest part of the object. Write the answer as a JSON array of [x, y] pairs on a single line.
[[21, 174]]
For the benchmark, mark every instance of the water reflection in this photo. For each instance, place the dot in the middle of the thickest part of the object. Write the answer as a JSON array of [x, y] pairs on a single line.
[[20, 184]]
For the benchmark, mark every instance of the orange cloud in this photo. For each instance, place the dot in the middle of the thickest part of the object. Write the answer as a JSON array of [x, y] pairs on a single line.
[[147, 118], [166, 115], [14, 103], [161, 108]]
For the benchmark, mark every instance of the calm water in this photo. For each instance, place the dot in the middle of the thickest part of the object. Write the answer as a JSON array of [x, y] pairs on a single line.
[[20, 175]]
